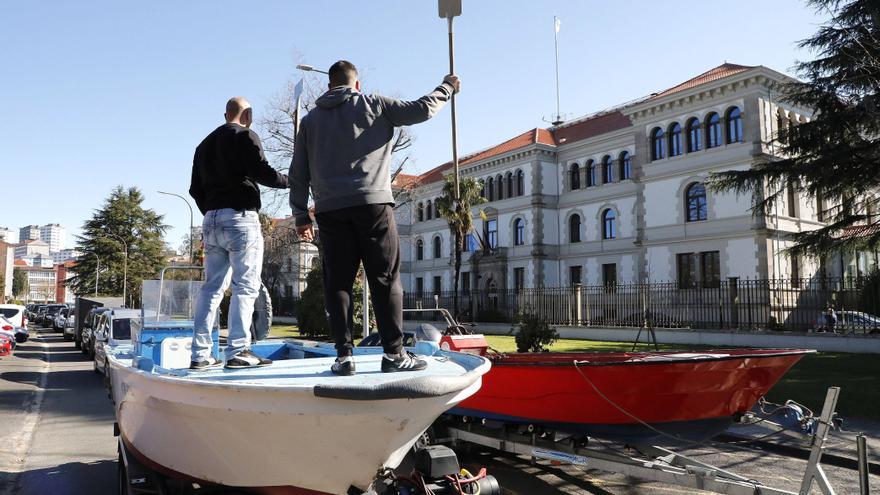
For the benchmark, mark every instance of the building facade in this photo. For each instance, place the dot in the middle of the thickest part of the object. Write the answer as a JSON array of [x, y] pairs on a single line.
[[54, 235], [29, 233], [8, 236], [7, 262], [621, 197]]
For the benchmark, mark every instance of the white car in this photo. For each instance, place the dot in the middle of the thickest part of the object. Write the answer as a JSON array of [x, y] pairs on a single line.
[[113, 329], [64, 321], [12, 332], [15, 314]]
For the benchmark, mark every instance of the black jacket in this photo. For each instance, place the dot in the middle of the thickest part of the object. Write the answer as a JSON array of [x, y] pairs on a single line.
[[227, 167]]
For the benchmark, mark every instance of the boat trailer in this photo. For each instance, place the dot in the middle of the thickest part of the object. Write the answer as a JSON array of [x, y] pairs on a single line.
[[648, 462]]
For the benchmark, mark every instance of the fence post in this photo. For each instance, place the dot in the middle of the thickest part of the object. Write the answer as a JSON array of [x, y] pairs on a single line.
[[733, 286], [578, 297]]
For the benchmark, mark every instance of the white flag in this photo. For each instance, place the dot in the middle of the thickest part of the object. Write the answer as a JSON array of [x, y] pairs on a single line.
[[556, 22]]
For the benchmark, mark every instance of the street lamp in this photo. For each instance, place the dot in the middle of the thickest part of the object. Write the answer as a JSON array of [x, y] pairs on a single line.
[[191, 250], [125, 266], [97, 269], [309, 68]]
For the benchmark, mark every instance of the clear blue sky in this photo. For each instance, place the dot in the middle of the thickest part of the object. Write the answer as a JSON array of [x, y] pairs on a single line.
[[103, 93]]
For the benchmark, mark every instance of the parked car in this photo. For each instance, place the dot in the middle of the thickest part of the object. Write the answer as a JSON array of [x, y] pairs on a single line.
[[51, 311], [39, 311], [6, 346], [113, 329], [849, 322], [7, 330], [15, 314], [64, 322], [89, 324], [29, 309]]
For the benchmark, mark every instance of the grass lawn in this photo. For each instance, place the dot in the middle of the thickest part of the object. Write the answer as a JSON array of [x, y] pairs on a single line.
[[284, 331], [858, 375]]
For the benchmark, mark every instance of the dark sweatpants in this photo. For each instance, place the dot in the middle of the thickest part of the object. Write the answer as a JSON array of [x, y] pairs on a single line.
[[348, 236]]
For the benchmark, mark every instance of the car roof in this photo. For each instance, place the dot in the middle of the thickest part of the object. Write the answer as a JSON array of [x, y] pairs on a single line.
[[17, 306], [125, 313]]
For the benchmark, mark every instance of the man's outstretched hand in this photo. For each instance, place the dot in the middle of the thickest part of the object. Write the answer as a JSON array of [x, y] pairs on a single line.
[[306, 232], [452, 79]]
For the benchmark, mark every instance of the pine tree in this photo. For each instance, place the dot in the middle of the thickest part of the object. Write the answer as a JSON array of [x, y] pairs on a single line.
[[834, 159], [460, 219], [121, 218]]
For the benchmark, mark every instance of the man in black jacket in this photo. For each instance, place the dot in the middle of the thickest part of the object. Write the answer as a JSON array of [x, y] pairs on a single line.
[[227, 167]]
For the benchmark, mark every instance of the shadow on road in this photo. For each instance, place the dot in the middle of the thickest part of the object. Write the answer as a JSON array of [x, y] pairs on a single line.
[[72, 478]]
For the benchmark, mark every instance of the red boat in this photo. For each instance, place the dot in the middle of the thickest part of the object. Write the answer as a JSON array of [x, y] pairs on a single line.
[[637, 397]]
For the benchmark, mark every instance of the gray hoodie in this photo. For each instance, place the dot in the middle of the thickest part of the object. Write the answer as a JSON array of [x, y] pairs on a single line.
[[343, 148]]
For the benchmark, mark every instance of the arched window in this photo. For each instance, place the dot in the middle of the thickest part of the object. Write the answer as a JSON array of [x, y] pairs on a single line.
[[695, 202], [607, 169], [781, 120], [490, 189], [482, 188], [591, 173], [420, 250], [437, 247], [609, 231], [519, 232], [575, 176], [420, 212], [499, 183], [428, 210], [675, 139], [436, 209], [658, 144], [625, 161], [510, 189], [713, 131], [520, 183], [734, 125], [694, 136], [574, 228]]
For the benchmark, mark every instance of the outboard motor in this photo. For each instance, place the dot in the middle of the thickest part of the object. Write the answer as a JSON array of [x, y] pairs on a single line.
[[428, 332]]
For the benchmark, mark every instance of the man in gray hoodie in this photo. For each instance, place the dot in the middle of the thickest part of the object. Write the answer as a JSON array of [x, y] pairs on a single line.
[[342, 152]]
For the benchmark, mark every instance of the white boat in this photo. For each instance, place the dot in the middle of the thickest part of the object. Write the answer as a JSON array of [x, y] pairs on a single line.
[[291, 424]]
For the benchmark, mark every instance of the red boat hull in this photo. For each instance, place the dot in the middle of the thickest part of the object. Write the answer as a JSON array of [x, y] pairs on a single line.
[[614, 395]]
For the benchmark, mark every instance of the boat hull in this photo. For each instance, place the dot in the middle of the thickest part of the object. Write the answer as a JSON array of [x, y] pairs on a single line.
[[632, 397], [265, 436]]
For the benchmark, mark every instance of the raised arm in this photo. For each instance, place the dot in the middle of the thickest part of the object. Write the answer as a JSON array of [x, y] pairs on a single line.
[[401, 113], [256, 166]]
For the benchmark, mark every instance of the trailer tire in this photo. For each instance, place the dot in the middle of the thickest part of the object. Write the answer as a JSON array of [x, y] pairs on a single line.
[[124, 487]]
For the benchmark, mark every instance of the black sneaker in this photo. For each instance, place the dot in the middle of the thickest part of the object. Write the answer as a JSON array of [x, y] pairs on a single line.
[[343, 368], [405, 361], [246, 359], [205, 364]]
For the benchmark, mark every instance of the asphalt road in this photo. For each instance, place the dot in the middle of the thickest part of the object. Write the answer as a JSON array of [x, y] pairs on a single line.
[[57, 439]]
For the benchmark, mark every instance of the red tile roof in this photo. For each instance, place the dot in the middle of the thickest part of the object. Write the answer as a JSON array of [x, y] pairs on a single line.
[[405, 180], [20, 263], [590, 127], [720, 72]]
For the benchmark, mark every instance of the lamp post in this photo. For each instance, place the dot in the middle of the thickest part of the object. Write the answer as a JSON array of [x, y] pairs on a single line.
[[125, 266], [191, 249], [97, 269], [309, 68]]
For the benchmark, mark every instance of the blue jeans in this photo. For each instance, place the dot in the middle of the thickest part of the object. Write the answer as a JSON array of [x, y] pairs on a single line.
[[233, 243]]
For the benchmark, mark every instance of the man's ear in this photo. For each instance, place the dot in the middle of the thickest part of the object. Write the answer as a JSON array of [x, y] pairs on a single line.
[[357, 85]]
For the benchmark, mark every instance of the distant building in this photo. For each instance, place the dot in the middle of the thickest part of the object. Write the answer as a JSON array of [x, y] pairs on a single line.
[[65, 255], [8, 235], [54, 235], [29, 233], [41, 283], [286, 262], [63, 274], [7, 261], [31, 248]]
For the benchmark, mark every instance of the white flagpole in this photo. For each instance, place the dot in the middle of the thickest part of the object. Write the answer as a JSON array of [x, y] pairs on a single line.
[[556, 24]]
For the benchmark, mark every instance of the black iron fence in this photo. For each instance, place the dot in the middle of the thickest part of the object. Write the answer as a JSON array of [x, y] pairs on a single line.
[[735, 304]]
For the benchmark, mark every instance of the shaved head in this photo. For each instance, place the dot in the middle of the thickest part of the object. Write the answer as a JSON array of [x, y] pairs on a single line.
[[238, 111]]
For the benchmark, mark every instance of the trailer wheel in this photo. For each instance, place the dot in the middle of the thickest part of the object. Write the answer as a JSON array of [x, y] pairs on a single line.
[[77, 344], [124, 486]]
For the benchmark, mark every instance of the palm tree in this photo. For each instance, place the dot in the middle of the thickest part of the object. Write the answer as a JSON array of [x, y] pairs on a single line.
[[460, 219]]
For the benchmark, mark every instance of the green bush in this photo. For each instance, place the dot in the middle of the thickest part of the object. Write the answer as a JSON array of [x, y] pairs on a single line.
[[311, 313], [534, 334]]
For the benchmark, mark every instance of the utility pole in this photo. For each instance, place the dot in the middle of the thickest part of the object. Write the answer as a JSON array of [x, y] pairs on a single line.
[[192, 260], [556, 24]]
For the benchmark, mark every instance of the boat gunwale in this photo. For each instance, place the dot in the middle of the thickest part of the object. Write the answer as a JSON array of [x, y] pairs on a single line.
[[499, 359]]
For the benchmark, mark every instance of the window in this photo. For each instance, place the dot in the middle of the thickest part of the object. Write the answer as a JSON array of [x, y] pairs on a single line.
[[694, 136], [470, 243], [695, 202], [466, 283], [574, 228], [122, 329], [795, 272], [492, 233], [436, 209], [574, 275], [821, 207], [438, 285], [499, 183], [510, 189], [607, 170], [520, 183], [437, 247], [482, 188], [420, 286], [575, 174], [608, 229], [591, 173], [781, 121], [420, 250], [490, 188], [710, 269], [625, 161], [519, 279], [288, 291], [687, 270], [428, 210], [791, 200], [658, 144], [713, 131], [420, 212], [519, 232], [734, 125], [609, 275], [675, 139]]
